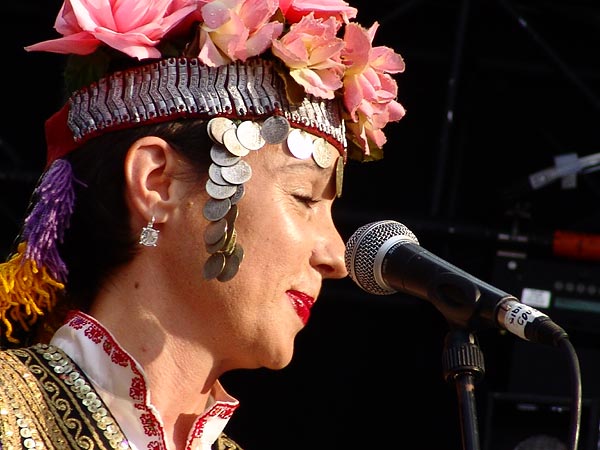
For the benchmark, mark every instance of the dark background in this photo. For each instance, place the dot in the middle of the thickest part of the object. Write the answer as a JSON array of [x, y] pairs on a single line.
[[495, 91]]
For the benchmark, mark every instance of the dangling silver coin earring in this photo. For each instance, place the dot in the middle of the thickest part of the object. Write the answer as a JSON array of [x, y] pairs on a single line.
[[149, 235]]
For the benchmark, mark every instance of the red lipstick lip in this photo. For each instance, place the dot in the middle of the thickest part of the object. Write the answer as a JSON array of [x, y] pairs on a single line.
[[302, 304]]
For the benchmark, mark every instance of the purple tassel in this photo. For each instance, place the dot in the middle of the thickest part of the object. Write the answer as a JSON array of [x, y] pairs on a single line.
[[45, 226]]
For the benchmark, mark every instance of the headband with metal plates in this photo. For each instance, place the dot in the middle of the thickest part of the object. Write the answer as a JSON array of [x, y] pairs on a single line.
[[184, 87]]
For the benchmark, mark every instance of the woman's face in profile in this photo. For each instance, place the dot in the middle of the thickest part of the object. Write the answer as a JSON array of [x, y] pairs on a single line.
[[290, 244]]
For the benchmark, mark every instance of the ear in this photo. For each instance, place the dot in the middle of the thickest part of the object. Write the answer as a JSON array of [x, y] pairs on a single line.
[[148, 164]]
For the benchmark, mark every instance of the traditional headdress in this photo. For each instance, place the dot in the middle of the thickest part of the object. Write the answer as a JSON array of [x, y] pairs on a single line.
[[281, 70]]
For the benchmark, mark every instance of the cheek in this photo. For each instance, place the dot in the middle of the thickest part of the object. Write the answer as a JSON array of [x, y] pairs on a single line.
[[272, 250], [259, 234], [188, 239]]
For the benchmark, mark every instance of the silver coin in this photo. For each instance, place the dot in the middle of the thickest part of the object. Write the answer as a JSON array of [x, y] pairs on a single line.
[[300, 144], [232, 214], [239, 193], [216, 246], [323, 153], [232, 264], [219, 191], [275, 129], [216, 209], [232, 143], [339, 176], [223, 157], [214, 266], [238, 173], [248, 133], [215, 231], [214, 173], [217, 126]]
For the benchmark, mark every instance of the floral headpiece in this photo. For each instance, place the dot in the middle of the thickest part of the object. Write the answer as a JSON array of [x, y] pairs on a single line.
[[324, 75], [319, 50]]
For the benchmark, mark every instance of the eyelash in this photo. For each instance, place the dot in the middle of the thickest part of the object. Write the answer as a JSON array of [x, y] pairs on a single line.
[[309, 201]]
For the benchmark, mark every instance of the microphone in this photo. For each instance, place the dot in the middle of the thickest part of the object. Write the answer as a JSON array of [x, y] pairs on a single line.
[[385, 257]]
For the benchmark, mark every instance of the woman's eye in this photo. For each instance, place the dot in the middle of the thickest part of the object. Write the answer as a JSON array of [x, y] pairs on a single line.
[[306, 199]]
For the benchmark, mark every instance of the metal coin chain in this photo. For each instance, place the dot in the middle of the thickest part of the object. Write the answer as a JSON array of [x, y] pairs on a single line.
[[228, 172]]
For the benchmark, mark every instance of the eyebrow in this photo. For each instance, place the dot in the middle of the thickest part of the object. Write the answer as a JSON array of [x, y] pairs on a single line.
[[302, 164]]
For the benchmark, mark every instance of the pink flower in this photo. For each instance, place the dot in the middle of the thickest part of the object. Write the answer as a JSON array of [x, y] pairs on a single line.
[[294, 10], [237, 30], [369, 90], [312, 52], [131, 26]]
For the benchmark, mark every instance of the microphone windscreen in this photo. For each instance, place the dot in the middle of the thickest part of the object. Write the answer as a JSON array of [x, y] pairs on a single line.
[[363, 255]]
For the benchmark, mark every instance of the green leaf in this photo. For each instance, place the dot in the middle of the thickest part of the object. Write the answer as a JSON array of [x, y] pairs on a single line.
[[82, 70]]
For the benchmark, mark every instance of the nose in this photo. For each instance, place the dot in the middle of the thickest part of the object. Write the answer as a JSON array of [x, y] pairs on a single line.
[[328, 255]]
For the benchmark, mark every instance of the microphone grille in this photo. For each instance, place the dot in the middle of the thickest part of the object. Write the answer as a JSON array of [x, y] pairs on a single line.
[[362, 249]]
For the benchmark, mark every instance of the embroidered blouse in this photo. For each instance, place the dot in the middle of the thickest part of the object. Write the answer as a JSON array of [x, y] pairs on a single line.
[[121, 383]]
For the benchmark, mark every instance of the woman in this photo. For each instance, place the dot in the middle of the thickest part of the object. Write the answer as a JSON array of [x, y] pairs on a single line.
[[183, 227]]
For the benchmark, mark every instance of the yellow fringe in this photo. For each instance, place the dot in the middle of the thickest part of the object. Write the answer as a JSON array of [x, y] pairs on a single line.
[[25, 292]]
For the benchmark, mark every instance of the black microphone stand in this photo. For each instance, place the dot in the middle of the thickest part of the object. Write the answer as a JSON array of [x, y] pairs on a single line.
[[463, 363]]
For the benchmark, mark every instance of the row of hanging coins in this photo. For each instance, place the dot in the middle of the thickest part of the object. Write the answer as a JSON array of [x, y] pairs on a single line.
[[228, 172], [225, 185]]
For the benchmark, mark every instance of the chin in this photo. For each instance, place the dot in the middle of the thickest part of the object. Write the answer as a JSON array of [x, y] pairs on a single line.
[[280, 362]]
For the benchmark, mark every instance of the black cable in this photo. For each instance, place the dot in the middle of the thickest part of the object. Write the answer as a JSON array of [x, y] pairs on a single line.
[[567, 346]]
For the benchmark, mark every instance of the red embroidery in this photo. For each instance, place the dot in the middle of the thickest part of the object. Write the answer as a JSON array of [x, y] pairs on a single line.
[[222, 411], [95, 333], [155, 445], [149, 424], [77, 322], [107, 345], [199, 427], [137, 389], [120, 357]]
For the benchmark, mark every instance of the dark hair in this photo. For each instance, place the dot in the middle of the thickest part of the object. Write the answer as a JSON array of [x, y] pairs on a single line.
[[99, 238]]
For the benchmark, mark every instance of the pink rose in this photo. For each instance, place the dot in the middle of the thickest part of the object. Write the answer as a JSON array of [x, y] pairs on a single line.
[[237, 30], [312, 52], [130, 26], [294, 10], [369, 91]]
